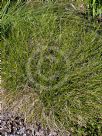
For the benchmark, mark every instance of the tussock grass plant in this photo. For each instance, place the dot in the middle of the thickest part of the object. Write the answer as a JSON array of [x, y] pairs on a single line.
[[59, 55]]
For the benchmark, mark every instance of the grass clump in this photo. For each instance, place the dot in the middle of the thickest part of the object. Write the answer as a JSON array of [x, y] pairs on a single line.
[[58, 54], [96, 7]]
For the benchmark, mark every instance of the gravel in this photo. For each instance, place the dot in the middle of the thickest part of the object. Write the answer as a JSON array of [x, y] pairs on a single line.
[[16, 126]]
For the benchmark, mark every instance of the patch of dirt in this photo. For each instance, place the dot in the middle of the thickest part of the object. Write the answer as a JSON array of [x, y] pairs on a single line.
[[26, 108]]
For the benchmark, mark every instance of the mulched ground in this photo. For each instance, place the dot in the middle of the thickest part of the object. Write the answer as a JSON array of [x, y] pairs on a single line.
[[16, 126]]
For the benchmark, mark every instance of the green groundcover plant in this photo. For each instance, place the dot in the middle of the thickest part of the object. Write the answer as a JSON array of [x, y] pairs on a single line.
[[58, 54]]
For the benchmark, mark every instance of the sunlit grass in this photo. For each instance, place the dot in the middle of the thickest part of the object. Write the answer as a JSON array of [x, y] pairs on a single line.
[[76, 102]]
